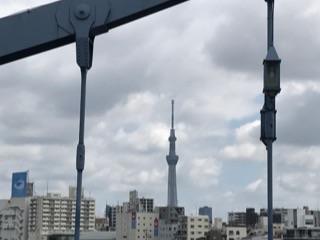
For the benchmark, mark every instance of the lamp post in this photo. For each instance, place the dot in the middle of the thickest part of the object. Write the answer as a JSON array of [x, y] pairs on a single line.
[[268, 113]]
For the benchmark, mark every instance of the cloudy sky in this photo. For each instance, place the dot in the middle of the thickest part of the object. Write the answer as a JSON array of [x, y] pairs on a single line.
[[205, 54]]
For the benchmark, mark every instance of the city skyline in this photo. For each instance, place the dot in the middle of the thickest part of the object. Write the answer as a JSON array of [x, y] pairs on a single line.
[[192, 54]]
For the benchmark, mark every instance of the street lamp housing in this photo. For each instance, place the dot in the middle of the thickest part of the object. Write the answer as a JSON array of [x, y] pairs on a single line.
[[272, 73]]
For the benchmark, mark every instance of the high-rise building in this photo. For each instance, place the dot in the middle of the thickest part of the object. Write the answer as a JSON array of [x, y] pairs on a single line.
[[110, 215], [172, 160], [54, 214], [206, 211]]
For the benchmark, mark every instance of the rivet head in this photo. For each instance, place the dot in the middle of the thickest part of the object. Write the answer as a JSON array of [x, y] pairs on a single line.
[[82, 11]]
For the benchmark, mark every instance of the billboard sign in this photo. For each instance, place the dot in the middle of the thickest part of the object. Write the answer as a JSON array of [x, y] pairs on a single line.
[[19, 185], [156, 227]]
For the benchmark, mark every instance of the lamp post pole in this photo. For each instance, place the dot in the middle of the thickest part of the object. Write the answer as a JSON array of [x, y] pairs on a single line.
[[268, 113]]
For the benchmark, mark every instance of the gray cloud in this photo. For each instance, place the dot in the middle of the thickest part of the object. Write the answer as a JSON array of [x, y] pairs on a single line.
[[205, 54], [239, 43]]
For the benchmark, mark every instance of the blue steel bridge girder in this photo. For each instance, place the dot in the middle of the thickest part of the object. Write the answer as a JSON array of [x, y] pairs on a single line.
[[54, 25]]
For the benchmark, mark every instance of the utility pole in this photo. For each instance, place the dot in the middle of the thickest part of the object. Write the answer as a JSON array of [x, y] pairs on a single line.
[[268, 113]]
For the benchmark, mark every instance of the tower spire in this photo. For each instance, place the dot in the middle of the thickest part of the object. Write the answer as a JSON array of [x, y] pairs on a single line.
[[172, 114], [172, 160]]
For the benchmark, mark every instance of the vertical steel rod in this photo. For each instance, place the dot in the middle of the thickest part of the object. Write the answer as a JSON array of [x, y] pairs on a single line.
[[270, 23], [80, 152], [270, 192]]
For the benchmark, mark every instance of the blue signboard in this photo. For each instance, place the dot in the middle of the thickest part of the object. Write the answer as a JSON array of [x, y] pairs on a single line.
[[19, 185]]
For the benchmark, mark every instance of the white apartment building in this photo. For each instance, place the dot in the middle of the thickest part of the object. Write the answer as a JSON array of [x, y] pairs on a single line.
[[236, 233], [54, 214], [11, 223], [193, 227], [14, 219], [304, 220], [289, 218]]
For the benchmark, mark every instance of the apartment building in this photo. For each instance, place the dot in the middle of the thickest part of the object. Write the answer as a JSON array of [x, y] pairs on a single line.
[[169, 221], [237, 219], [193, 227], [54, 214], [14, 219], [11, 226]]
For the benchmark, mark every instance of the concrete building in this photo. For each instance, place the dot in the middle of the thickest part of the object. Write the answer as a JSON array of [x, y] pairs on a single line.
[[140, 204], [304, 219], [169, 221], [30, 189], [214, 234], [316, 215], [101, 224], [137, 226], [217, 223], [136, 220], [54, 214], [193, 227], [206, 211], [237, 219], [111, 216], [14, 212], [14, 219], [295, 218], [302, 233], [236, 233], [251, 218], [11, 223], [278, 230]]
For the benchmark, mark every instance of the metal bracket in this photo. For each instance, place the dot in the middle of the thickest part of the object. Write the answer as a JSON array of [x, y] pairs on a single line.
[[78, 17]]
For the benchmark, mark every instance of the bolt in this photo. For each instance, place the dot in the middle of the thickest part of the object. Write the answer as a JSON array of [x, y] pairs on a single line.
[[82, 11]]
